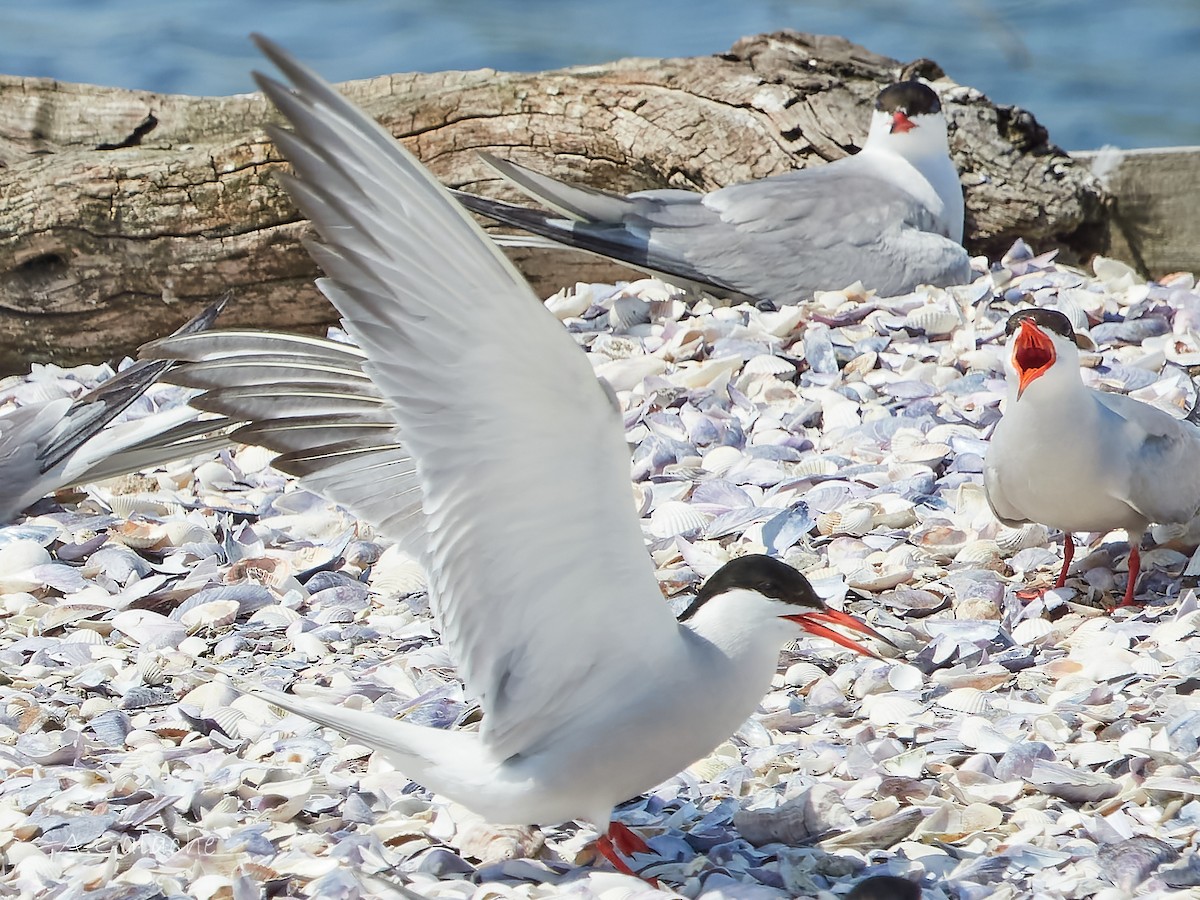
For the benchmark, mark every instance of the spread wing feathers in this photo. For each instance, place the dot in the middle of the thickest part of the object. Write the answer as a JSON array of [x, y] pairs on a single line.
[[1164, 460], [49, 445], [777, 238], [193, 437], [308, 399], [535, 558]]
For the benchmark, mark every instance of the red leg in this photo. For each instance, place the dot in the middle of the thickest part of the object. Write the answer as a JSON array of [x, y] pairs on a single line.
[[619, 836], [1068, 555], [1135, 566], [626, 840]]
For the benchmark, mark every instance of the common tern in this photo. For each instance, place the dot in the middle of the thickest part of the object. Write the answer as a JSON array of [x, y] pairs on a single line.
[[890, 216], [1076, 459], [54, 443], [504, 467]]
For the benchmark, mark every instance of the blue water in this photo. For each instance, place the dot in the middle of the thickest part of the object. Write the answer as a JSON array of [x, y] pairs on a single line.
[[1095, 73]]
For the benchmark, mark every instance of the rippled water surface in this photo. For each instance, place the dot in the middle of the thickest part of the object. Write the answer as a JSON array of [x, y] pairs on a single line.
[[1102, 72]]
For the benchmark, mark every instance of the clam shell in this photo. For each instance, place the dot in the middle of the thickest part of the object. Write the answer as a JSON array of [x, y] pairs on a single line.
[[1014, 540], [213, 614], [675, 517], [396, 573], [801, 674], [965, 700], [903, 677], [852, 520], [129, 505], [275, 616], [140, 535], [1028, 631], [861, 364], [980, 555], [814, 465], [934, 320], [767, 364]]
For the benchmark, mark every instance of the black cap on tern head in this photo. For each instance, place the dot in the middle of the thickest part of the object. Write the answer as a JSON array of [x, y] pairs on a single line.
[[909, 97], [1046, 319], [765, 574]]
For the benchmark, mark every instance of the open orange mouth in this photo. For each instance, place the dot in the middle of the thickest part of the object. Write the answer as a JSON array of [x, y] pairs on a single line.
[[1033, 354], [901, 123]]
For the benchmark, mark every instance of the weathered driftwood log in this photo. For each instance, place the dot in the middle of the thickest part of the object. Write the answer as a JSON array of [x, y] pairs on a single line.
[[121, 212]]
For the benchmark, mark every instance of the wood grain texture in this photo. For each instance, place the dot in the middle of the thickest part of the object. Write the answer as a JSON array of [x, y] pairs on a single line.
[[122, 212]]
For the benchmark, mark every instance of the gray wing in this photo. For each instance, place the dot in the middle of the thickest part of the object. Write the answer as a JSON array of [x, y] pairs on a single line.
[[58, 443], [534, 552], [778, 238], [309, 400], [785, 237], [1162, 459]]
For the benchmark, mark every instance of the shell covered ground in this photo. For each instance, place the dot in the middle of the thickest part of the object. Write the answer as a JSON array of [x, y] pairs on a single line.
[[1008, 748]]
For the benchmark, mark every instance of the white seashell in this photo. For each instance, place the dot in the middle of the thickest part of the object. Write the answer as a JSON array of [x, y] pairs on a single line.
[[979, 734], [275, 616], [570, 302], [1013, 540], [935, 320], [872, 579], [893, 511], [721, 459], [676, 518], [182, 531], [766, 364], [854, 520], [84, 636], [980, 555], [956, 823], [495, 843], [150, 669], [396, 573], [252, 458], [964, 700], [213, 614], [903, 677], [627, 374], [801, 674], [860, 365], [1114, 273], [708, 373], [140, 535], [926, 452], [149, 629], [129, 505], [1029, 631], [814, 465], [890, 709], [16, 559], [214, 476], [309, 644]]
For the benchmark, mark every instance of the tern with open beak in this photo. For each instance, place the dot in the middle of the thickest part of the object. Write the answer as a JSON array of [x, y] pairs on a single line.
[[890, 216], [591, 691], [1077, 459]]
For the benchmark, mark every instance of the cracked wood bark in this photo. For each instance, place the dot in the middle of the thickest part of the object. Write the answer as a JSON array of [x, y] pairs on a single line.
[[122, 212]]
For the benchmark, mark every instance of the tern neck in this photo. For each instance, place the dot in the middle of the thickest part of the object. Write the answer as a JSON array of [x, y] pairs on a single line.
[[740, 623], [926, 148]]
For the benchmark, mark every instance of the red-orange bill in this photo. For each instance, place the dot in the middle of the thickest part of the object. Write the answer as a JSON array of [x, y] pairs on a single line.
[[813, 623]]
